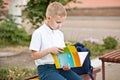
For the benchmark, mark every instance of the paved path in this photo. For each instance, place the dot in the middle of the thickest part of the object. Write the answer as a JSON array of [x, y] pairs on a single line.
[[112, 72], [77, 28], [22, 59]]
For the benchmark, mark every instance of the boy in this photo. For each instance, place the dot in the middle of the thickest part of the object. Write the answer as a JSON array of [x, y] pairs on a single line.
[[48, 40]]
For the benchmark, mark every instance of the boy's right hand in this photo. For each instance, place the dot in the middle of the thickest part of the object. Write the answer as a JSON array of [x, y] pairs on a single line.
[[66, 67], [56, 50]]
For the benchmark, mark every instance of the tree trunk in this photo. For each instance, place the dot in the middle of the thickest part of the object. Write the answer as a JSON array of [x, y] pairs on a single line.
[[15, 10]]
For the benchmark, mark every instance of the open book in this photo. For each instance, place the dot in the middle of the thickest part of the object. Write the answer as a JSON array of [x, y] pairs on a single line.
[[70, 57]]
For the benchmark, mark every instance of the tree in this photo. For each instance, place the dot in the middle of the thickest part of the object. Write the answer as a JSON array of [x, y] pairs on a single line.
[[35, 10]]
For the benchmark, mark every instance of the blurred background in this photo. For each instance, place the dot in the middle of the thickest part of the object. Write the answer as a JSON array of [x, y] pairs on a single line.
[[87, 19], [95, 23]]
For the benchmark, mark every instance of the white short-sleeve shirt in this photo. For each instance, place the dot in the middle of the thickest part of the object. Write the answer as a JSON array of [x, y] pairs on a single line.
[[44, 38]]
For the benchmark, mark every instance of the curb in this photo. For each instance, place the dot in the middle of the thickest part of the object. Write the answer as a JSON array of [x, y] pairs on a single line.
[[8, 54]]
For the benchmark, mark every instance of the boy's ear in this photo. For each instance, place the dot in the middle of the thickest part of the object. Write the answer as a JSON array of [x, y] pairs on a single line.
[[48, 17]]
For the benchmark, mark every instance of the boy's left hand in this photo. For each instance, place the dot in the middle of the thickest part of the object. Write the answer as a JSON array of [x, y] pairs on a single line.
[[66, 67]]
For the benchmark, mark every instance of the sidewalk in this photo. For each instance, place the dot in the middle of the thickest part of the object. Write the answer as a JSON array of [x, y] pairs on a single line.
[[112, 72], [11, 59]]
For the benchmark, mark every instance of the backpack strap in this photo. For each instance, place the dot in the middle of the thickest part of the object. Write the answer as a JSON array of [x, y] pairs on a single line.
[[90, 72]]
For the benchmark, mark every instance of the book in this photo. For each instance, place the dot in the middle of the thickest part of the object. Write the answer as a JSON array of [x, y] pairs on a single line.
[[70, 57]]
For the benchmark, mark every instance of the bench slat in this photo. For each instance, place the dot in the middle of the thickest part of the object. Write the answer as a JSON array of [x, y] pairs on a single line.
[[109, 54], [111, 57]]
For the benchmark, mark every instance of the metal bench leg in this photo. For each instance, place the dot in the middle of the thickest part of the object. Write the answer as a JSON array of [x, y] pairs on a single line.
[[103, 70]]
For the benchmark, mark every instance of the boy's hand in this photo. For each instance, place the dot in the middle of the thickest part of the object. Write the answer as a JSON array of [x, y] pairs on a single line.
[[56, 50], [66, 67]]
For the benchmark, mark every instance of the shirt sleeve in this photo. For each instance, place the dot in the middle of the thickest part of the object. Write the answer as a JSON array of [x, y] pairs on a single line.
[[35, 43]]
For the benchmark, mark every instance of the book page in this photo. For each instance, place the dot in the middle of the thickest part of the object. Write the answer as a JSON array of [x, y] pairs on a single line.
[[82, 56]]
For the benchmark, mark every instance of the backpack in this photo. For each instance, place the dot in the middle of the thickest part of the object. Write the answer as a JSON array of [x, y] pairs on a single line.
[[86, 68]]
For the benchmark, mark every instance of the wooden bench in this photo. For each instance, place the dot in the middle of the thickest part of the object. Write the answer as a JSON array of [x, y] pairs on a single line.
[[113, 57], [84, 76]]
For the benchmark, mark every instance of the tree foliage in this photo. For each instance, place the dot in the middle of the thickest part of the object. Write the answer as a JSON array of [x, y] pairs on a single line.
[[35, 10], [1, 3]]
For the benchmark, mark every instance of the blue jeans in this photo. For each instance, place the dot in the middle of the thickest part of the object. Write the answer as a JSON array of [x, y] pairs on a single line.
[[49, 72]]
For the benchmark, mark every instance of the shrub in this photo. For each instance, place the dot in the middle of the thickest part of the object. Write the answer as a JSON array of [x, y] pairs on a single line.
[[95, 49], [10, 34], [110, 42]]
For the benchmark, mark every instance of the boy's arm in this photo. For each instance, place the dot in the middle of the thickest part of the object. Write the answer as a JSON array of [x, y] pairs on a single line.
[[39, 54]]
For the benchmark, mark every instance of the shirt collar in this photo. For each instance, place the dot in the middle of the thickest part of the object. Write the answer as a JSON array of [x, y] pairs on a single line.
[[48, 28]]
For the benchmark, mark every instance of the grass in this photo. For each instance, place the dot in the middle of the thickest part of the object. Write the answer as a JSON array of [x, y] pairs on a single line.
[[16, 73]]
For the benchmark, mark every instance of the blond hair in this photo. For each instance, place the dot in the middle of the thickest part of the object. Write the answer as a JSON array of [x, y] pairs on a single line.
[[55, 9]]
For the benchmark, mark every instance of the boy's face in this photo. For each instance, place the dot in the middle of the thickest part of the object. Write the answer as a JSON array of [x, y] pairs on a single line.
[[56, 22]]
